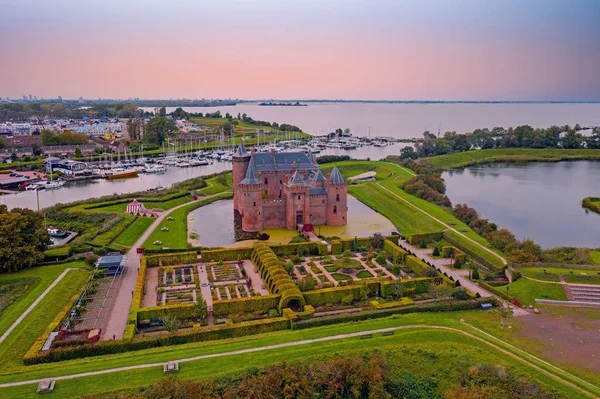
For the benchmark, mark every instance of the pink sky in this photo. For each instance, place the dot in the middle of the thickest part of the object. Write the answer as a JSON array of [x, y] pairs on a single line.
[[272, 50]]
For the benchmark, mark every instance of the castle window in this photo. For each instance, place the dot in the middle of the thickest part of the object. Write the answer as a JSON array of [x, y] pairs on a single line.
[[334, 209], [279, 193], [298, 196], [280, 181], [337, 198], [254, 203], [322, 201], [266, 181]]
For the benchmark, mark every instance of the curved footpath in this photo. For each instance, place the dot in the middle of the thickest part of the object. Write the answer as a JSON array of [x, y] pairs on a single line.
[[35, 303], [332, 338], [447, 226], [119, 313]]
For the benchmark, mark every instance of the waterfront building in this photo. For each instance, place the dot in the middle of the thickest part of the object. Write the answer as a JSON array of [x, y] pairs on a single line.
[[285, 190], [135, 208]]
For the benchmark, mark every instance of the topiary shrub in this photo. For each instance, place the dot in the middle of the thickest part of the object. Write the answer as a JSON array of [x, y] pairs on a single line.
[[422, 244], [475, 275], [436, 251]]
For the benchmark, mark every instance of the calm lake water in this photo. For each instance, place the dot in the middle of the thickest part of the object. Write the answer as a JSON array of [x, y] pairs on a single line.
[[410, 120], [214, 224], [537, 200]]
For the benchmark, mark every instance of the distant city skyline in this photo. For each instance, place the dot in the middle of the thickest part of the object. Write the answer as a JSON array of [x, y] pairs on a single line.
[[537, 50]]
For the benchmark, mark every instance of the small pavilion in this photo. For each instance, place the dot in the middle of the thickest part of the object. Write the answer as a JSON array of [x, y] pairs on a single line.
[[136, 208]]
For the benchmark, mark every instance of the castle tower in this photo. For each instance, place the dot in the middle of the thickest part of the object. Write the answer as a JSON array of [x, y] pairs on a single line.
[[337, 199], [297, 197], [240, 160], [250, 200]]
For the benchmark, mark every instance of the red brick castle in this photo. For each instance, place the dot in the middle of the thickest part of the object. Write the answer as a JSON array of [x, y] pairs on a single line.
[[285, 189]]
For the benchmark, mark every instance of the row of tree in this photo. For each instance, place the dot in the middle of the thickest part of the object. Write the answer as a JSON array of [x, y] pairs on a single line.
[[520, 137], [36, 110], [63, 138]]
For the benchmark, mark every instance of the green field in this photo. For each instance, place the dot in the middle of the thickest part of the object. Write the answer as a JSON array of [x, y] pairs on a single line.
[[476, 157], [107, 237], [595, 257], [383, 170], [120, 208], [131, 234], [21, 338], [41, 278], [527, 291], [214, 186], [176, 236], [12, 290], [571, 275], [440, 353]]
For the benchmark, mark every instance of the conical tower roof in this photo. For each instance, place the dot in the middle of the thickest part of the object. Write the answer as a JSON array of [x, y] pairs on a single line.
[[241, 151], [296, 180], [336, 176], [251, 177], [319, 176]]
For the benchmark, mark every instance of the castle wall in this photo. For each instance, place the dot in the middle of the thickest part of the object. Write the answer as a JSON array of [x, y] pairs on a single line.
[[318, 209], [238, 170], [274, 213]]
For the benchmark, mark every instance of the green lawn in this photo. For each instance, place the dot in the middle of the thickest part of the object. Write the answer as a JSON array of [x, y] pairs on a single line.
[[120, 208], [422, 351], [340, 277], [176, 236], [12, 290], [579, 276], [214, 186], [109, 235], [595, 257], [41, 278], [383, 170], [527, 291], [21, 338], [134, 231], [474, 157]]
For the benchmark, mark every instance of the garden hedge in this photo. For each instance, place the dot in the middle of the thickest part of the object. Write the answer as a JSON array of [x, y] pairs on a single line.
[[491, 267], [138, 293], [337, 294], [181, 337], [181, 310], [307, 313], [394, 250], [270, 269], [495, 291], [215, 255], [336, 247], [452, 251], [181, 258], [310, 248], [252, 304], [416, 265], [374, 314], [418, 285], [394, 304], [415, 239]]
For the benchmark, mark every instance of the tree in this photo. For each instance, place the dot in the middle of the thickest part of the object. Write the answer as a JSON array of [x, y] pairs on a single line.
[[436, 251], [397, 288], [475, 275], [162, 111], [441, 291], [77, 153], [408, 153], [23, 238], [355, 244], [48, 137], [377, 240], [457, 264], [171, 322], [201, 309], [133, 129], [158, 128]]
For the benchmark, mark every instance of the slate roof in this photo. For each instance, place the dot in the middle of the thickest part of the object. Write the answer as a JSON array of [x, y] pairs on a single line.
[[318, 191], [251, 177], [241, 151], [336, 176], [319, 176], [296, 180], [283, 161]]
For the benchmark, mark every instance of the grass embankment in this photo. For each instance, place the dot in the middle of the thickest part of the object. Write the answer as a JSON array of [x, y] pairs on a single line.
[[135, 230], [410, 220], [120, 208], [11, 290], [41, 278], [571, 275], [440, 353], [13, 348], [595, 256], [176, 235], [383, 170], [479, 157], [527, 291]]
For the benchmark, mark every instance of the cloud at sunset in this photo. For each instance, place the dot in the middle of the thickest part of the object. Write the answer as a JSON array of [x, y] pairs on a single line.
[[470, 50]]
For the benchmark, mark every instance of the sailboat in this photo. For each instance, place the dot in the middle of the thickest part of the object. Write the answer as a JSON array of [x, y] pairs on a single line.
[[50, 184]]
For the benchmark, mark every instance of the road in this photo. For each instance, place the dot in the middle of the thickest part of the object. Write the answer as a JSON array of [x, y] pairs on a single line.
[[120, 308]]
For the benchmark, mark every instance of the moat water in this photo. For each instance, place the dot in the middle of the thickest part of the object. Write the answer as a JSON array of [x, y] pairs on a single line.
[[541, 201], [214, 225]]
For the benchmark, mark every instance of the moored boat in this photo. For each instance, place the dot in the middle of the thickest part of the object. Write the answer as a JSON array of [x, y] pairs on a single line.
[[123, 174]]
